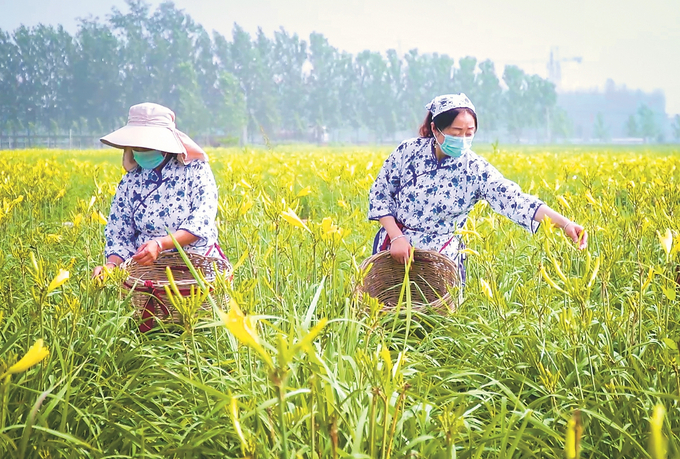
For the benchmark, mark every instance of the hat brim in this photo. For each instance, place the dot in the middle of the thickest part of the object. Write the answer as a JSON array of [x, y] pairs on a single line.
[[154, 138]]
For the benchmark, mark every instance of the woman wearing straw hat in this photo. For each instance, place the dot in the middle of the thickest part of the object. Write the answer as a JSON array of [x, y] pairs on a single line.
[[169, 186], [429, 184]]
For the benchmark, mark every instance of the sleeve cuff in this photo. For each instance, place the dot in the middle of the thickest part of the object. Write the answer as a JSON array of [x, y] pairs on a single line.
[[372, 218], [533, 224], [124, 258], [192, 232]]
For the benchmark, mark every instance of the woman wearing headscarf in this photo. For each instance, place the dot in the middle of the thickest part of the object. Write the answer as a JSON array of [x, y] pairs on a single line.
[[429, 184], [169, 186]]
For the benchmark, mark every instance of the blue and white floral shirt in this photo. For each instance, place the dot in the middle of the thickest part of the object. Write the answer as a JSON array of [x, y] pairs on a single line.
[[432, 199], [178, 197]]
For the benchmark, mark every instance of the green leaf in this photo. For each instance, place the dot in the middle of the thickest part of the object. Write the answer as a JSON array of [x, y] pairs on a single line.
[[670, 343], [669, 292]]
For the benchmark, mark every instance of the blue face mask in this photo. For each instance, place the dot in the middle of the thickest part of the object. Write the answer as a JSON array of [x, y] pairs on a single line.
[[455, 146], [148, 159]]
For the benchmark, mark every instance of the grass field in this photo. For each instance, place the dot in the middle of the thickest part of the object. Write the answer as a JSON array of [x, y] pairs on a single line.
[[564, 354]]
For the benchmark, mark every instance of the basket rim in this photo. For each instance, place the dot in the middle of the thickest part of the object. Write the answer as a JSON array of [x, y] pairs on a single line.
[[446, 300], [174, 255], [386, 253]]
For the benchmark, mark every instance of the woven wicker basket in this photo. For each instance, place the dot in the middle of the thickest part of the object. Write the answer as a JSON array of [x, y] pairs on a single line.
[[147, 284], [431, 276]]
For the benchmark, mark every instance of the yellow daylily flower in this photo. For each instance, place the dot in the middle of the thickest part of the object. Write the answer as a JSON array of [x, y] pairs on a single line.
[[590, 199], [58, 280], [572, 438], [304, 192], [550, 282], [233, 412], [34, 355], [245, 206], [467, 251], [563, 201], [98, 217], [291, 217], [327, 225], [666, 241], [486, 288], [244, 328], [658, 444]]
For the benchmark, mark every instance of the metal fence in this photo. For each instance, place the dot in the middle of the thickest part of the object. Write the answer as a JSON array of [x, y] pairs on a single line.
[[21, 141]]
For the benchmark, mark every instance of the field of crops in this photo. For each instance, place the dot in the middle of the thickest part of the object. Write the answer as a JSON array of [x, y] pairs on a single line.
[[552, 349]]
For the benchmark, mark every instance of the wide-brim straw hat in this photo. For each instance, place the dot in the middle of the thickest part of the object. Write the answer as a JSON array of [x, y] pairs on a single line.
[[153, 126]]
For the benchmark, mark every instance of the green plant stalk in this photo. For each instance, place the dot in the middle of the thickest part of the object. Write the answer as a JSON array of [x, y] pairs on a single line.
[[276, 260], [30, 420], [386, 401], [282, 416], [372, 423], [312, 416], [393, 429], [4, 401], [192, 269], [200, 373], [409, 304], [402, 293]]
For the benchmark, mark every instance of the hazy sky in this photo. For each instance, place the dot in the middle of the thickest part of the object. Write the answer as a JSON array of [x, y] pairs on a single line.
[[633, 42]]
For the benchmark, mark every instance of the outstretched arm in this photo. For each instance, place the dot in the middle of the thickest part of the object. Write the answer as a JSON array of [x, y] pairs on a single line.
[[572, 229]]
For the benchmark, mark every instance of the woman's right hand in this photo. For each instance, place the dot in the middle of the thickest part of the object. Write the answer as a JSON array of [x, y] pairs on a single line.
[[99, 269], [400, 249]]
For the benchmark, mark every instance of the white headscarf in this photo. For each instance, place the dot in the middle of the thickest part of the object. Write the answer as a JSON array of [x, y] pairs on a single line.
[[446, 102]]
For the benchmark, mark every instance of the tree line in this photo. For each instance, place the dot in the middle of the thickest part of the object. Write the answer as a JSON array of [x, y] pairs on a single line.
[[244, 85]]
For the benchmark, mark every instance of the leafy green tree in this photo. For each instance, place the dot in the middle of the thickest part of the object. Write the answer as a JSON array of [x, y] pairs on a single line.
[[488, 100], [323, 84], [288, 65], [189, 107], [373, 92], [349, 86], [515, 110], [631, 127], [425, 77], [415, 88], [50, 80], [647, 123], [136, 69], [9, 82], [561, 127], [676, 128], [394, 116], [233, 117], [207, 76], [465, 78], [540, 99], [600, 129], [97, 90]]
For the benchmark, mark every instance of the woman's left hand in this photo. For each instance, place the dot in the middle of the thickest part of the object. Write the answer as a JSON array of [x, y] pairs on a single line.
[[577, 234], [147, 253]]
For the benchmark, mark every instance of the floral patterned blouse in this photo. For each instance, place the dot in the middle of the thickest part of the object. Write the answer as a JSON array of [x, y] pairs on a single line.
[[178, 197], [432, 198]]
